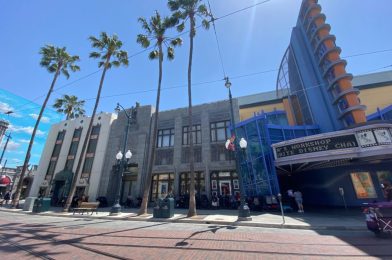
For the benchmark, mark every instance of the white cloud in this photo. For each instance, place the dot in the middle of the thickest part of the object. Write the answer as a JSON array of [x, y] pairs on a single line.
[[25, 129], [12, 146], [25, 141], [44, 119]]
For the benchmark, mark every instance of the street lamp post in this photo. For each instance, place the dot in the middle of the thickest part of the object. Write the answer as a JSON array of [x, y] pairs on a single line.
[[243, 211], [116, 208]]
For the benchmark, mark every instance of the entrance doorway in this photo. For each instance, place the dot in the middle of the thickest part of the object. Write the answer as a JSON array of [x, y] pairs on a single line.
[[58, 193], [225, 188]]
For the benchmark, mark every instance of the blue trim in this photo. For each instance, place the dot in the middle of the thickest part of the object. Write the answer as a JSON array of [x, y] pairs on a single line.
[[380, 113], [296, 127]]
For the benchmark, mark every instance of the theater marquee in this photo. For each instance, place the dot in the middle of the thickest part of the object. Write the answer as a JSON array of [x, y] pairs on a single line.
[[320, 145]]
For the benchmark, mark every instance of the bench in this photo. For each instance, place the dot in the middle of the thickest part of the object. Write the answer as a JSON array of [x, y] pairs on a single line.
[[87, 206]]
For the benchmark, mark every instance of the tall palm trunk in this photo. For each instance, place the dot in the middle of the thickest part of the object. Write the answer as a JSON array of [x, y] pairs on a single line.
[[192, 201], [147, 185], [86, 140], [15, 201]]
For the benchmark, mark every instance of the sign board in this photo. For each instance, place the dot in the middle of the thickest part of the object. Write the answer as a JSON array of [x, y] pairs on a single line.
[[319, 145]]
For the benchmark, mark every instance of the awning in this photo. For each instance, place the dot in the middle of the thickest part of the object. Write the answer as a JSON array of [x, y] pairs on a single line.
[[5, 180]]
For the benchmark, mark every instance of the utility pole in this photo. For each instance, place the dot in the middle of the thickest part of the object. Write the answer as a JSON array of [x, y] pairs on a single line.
[[5, 146]]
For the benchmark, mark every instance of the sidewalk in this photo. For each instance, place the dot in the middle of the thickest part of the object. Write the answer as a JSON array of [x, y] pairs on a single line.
[[339, 219]]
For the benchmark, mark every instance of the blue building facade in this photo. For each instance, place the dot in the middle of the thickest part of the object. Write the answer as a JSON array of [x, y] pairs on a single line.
[[257, 162], [329, 150]]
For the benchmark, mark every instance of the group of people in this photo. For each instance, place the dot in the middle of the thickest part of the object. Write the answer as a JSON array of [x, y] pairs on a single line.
[[6, 197], [225, 201]]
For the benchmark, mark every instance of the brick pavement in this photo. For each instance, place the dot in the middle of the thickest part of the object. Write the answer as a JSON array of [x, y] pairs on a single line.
[[80, 239]]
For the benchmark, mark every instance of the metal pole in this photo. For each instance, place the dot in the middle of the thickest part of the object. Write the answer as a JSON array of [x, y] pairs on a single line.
[[5, 147], [281, 207], [116, 208], [243, 211]]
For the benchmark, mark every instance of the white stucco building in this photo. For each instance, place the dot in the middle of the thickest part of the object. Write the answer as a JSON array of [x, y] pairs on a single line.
[[60, 157]]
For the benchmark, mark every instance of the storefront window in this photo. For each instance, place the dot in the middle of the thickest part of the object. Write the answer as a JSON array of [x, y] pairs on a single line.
[[363, 185], [162, 184], [185, 181]]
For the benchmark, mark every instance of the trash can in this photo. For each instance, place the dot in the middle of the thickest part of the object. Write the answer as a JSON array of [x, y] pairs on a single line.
[[164, 208], [29, 203], [41, 205]]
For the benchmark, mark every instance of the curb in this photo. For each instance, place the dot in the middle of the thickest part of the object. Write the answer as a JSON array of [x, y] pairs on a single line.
[[195, 221]]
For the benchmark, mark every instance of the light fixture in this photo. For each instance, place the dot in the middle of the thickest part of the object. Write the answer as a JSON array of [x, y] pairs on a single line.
[[117, 109], [119, 155], [128, 155], [227, 83], [243, 143]]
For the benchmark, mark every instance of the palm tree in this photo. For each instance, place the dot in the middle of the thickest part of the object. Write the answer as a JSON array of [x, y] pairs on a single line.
[[109, 47], [184, 10], [70, 106], [56, 60], [155, 31]]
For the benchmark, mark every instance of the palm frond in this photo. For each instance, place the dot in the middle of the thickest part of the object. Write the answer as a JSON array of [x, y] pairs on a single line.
[[176, 42], [153, 55], [180, 27], [116, 63], [206, 24], [144, 23], [143, 40], [95, 55], [65, 72], [170, 53], [173, 5]]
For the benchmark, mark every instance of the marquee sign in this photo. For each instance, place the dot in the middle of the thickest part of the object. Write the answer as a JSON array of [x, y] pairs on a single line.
[[319, 145]]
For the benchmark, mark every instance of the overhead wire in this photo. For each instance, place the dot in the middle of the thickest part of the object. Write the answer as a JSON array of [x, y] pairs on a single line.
[[137, 53], [201, 83]]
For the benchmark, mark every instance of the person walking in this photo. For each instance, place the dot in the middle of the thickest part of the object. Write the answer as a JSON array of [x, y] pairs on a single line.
[[298, 199], [7, 197]]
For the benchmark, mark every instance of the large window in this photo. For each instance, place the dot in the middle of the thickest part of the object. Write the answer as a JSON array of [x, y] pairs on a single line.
[[185, 181], [73, 149], [55, 155], [162, 184], [90, 154], [165, 138], [220, 131], [196, 134]]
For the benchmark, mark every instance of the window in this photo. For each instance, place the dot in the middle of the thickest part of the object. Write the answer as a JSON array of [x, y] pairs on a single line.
[[196, 134], [162, 184], [165, 138], [330, 76], [220, 131], [73, 149], [87, 167], [55, 155], [335, 90], [322, 49], [342, 104], [349, 120], [92, 146], [185, 181]]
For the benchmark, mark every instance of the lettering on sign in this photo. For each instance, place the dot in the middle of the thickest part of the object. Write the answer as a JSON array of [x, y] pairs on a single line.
[[321, 145]]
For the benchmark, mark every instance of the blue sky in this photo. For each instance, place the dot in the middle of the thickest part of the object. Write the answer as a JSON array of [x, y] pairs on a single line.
[[21, 126], [252, 43]]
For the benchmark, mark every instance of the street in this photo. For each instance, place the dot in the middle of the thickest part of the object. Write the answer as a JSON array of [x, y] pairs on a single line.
[[33, 237]]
